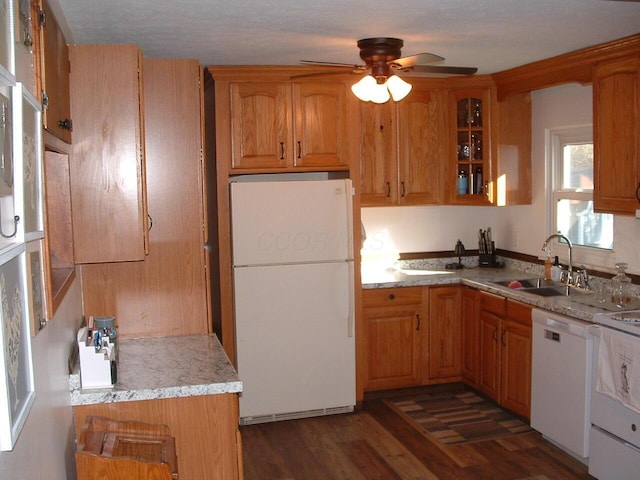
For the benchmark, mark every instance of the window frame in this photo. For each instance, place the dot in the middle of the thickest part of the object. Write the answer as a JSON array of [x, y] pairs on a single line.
[[556, 138]]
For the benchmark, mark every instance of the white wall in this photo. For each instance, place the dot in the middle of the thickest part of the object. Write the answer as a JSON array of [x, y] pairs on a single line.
[[519, 228], [46, 446]]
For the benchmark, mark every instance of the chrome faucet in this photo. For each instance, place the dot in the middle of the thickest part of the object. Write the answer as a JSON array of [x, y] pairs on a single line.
[[545, 248]]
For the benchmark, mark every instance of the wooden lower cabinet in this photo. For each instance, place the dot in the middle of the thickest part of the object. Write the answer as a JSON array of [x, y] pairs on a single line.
[[505, 352], [394, 325], [412, 336], [205, 428], [470, 317], [445, 334]]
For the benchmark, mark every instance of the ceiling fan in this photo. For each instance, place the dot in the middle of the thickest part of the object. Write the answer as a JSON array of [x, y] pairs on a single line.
[[384, 65]]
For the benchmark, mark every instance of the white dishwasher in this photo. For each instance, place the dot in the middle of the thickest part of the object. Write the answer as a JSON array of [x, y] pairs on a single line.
[[561, 381]]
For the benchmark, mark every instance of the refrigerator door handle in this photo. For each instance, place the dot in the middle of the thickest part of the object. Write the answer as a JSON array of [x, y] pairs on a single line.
[[350, 317], [349, 193]]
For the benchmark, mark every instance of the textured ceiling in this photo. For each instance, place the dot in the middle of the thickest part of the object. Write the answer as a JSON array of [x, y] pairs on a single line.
[[492, 35]]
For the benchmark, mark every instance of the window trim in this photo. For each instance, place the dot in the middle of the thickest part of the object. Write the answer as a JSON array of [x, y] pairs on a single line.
[[554, 138]]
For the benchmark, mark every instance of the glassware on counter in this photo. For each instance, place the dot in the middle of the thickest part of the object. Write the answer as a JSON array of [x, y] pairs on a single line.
[[621, 286]]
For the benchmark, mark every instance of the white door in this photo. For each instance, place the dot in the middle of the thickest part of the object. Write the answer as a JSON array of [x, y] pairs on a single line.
[[291, 221], [294, 334]]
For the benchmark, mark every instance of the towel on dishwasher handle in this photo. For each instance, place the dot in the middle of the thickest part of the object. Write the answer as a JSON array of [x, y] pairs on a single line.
[[619, 368]]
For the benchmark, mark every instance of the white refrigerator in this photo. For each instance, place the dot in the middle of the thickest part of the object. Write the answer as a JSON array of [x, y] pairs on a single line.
[[293, 297]]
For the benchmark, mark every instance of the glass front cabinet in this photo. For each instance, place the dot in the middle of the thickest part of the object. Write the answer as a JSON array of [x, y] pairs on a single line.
[[470, 172]]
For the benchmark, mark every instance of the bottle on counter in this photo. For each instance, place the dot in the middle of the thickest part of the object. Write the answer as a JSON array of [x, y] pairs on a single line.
[[621, 286], [556, 270], [547, 268]]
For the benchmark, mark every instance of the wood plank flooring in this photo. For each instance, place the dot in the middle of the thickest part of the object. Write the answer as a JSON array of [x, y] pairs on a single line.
[[376, 443]]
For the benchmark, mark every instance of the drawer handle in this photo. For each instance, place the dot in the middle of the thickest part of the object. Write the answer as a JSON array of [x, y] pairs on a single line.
[[392, 296], [638, 192], [281, 150], [633, 427], [388, 189], [418, 324]]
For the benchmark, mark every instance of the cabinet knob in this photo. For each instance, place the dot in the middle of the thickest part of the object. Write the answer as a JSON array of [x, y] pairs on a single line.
[[66, 124], [391, 296], [633, 427]]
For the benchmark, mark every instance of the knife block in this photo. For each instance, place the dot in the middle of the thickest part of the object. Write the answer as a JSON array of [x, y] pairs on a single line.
[[487, 260]]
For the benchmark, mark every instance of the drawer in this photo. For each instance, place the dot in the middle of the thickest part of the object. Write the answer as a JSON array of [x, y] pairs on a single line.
[[493, 303], [389, 297], [519, 312], [610, 458]]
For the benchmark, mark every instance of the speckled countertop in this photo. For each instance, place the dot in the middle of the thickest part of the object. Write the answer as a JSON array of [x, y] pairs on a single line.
[[433, 272], [168, 367]]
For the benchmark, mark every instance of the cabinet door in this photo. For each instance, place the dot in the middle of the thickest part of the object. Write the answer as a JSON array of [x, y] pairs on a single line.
[[445, 333], [106, 169], [616, 136], [394, 321], [515, 367], [421, 129], [261, 125], [320, 125], [512, 133], [54, 77], [378, 157], [470, 335], [469, 176], [488, 381]]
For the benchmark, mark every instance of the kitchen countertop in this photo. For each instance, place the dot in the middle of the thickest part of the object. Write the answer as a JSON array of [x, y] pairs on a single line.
[[167, 367], [484, 279]]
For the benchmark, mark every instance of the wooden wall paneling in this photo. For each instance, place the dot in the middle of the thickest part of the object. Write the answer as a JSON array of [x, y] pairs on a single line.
[[166, 294]]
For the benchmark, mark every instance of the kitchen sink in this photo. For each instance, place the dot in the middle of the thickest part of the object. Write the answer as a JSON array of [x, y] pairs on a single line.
[[537, 286]]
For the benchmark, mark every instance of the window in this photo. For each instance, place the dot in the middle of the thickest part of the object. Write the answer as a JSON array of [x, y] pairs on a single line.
[[572, 190]]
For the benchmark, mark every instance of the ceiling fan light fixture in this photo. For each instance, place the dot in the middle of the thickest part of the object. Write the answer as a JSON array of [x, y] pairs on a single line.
[[369, 89], [398, 87]]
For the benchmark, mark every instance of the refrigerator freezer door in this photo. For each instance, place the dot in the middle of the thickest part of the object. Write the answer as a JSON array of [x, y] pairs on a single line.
[[295, 342], [291, 222]]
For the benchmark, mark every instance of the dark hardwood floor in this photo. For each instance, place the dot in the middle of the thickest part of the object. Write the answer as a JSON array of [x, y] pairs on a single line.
[[376, 443]]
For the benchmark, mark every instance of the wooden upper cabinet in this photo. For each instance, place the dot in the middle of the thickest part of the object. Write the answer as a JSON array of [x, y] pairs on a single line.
[[107, 168], [378, 154], [176, 203], [401, 149], [320, 125], [281, 126], [616, 135], [511, 130], [54, 76], [261, 125], [469, 174], [421, 128]]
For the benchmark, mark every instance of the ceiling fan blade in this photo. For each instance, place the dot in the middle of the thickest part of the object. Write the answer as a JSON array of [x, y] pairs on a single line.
[[419, 59], [332, 64], [438, 70], [325, 74]]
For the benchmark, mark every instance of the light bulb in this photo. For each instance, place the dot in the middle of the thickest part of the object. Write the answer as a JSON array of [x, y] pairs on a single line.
[[398, 87], [363, 88], [379, 93]]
